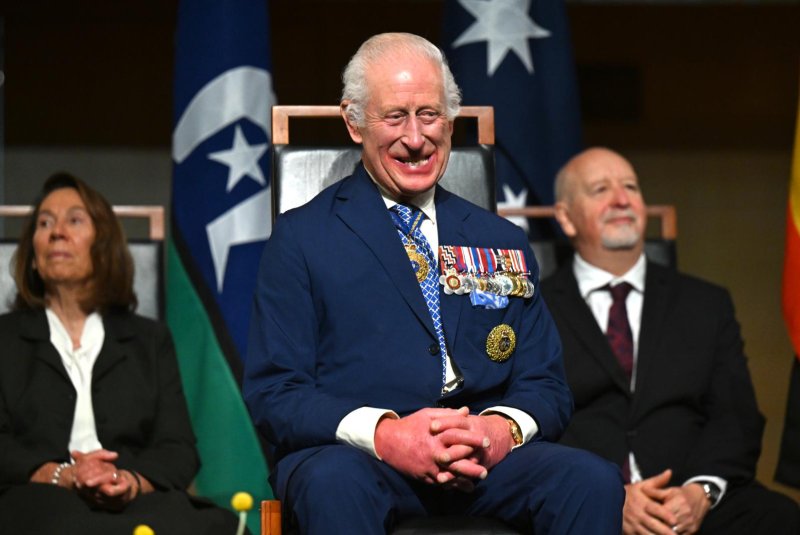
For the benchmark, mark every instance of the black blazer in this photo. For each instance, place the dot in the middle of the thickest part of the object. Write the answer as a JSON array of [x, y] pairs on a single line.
[[140, 410], [694, 408]]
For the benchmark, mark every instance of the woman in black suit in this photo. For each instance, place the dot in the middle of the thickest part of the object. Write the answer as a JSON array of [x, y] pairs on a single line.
[[95, 435]]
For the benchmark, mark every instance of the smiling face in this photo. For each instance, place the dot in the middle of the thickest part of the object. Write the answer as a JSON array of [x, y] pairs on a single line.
[[63, 240], [406, 134], [602, 209]]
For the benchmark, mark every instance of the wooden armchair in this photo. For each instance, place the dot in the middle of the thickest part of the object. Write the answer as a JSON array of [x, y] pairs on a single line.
[[148, 257]]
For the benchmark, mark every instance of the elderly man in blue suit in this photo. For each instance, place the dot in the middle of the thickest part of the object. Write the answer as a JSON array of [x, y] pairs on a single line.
[[393, 382]]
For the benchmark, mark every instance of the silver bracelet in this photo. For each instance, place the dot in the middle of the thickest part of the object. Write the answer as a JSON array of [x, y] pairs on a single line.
[[57, 473]]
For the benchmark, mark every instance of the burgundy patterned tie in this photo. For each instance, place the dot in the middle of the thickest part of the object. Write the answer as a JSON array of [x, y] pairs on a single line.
[[620, 338], [619, 332]]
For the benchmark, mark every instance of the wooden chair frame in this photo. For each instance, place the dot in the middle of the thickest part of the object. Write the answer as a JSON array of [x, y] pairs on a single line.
[[665, 213], [147, 255], [282, 114], [154, 214]]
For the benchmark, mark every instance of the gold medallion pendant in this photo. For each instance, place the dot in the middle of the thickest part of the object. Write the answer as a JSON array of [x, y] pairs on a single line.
[[501, 342], [418, 262]]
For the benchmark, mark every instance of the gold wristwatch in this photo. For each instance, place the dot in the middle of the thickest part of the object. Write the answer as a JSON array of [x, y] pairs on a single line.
[[516, 432]]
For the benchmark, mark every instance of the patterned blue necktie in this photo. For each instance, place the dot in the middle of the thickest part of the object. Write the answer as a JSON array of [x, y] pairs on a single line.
[[407, 219]]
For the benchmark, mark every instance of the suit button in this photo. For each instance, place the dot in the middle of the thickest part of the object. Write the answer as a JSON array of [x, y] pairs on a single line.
[[434, 349], [632, 433]]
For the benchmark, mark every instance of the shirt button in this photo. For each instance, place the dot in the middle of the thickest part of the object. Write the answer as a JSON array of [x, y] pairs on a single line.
[[434, 349]]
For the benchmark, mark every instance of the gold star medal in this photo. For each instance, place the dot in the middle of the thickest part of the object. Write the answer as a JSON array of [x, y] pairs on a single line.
[[501, 342]]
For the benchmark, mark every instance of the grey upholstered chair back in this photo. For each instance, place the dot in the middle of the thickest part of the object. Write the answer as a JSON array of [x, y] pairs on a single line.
[[148, 260], [302, 172]]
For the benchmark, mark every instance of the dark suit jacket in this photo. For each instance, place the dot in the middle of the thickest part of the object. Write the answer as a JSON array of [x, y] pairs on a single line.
[[694, 408], [138, 401], [340, 323]]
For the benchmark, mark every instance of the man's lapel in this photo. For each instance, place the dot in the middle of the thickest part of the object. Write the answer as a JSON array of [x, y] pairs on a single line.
[[657, 299], [451, 221], [361, 208]]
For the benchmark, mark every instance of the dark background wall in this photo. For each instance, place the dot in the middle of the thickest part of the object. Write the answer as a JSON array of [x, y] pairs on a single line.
[[702, 98]]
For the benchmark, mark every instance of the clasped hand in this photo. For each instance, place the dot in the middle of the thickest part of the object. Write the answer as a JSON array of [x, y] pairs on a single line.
[[98, 480], [652, 507], [448, 447]]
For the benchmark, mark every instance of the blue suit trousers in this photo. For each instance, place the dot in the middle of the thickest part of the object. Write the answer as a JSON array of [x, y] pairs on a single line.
[[541, 488]]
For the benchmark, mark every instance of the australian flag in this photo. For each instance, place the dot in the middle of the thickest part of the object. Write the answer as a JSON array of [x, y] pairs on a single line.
[[516, 55], [220, 221]]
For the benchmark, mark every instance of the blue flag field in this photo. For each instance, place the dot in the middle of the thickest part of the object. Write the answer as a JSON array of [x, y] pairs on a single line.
[[516, 55]]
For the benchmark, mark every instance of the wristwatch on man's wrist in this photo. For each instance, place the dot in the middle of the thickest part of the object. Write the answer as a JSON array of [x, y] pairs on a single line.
[[516, 432], [712, 492]]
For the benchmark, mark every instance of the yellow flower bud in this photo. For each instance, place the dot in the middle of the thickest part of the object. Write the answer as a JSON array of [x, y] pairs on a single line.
[[143, 529], [242, 501]]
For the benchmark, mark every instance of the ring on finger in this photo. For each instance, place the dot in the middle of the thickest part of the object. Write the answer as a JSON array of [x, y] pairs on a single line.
[[115, 476]]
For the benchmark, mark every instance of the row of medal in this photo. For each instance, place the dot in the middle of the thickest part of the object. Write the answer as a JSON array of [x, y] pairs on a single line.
[[501, 272]]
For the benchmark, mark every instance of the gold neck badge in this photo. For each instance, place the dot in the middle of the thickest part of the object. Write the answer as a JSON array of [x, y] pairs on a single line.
[[418, 261]]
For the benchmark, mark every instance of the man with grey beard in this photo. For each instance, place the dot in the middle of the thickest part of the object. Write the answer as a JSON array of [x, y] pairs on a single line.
[[655, 362]]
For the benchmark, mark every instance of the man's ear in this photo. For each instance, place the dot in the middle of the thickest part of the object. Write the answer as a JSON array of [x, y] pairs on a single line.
[[352, 129], [562, 216]]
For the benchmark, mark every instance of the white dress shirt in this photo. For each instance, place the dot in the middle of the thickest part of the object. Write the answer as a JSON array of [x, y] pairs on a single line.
[[79, 362], [592, 283]]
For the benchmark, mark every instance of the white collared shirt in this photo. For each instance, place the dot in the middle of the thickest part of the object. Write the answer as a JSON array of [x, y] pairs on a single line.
[[79, 363], [591, 284]]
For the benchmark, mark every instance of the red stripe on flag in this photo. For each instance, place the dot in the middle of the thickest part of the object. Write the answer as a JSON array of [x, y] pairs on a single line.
[[791, 266], [791, 281]]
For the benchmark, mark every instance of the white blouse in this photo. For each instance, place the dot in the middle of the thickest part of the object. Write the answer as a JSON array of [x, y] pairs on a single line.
[[79, 363]]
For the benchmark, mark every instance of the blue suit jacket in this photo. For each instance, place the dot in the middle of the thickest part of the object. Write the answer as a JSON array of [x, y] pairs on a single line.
[[339, 322]]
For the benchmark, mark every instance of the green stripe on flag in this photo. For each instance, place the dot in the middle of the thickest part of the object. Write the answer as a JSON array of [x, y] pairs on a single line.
[[226, 439]]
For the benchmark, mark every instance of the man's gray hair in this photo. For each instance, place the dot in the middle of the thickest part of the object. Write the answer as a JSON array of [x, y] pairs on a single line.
[[382, 46]]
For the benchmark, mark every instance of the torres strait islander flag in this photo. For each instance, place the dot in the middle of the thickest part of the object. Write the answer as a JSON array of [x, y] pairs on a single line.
[[789, 460], [221, 217], [516, 55]]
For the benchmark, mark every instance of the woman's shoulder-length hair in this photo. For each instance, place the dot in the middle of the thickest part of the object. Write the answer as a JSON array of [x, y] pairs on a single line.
[[111, 285]]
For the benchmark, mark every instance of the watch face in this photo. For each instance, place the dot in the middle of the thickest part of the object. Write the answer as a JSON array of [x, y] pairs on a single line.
[[712, 492]]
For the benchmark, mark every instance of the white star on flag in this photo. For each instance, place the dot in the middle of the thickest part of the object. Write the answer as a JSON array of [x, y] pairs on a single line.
[[505, 26], [514, 200], [241, 159]]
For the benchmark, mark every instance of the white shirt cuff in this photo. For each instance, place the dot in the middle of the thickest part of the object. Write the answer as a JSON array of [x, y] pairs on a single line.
[[358, 428], [526, 424]]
